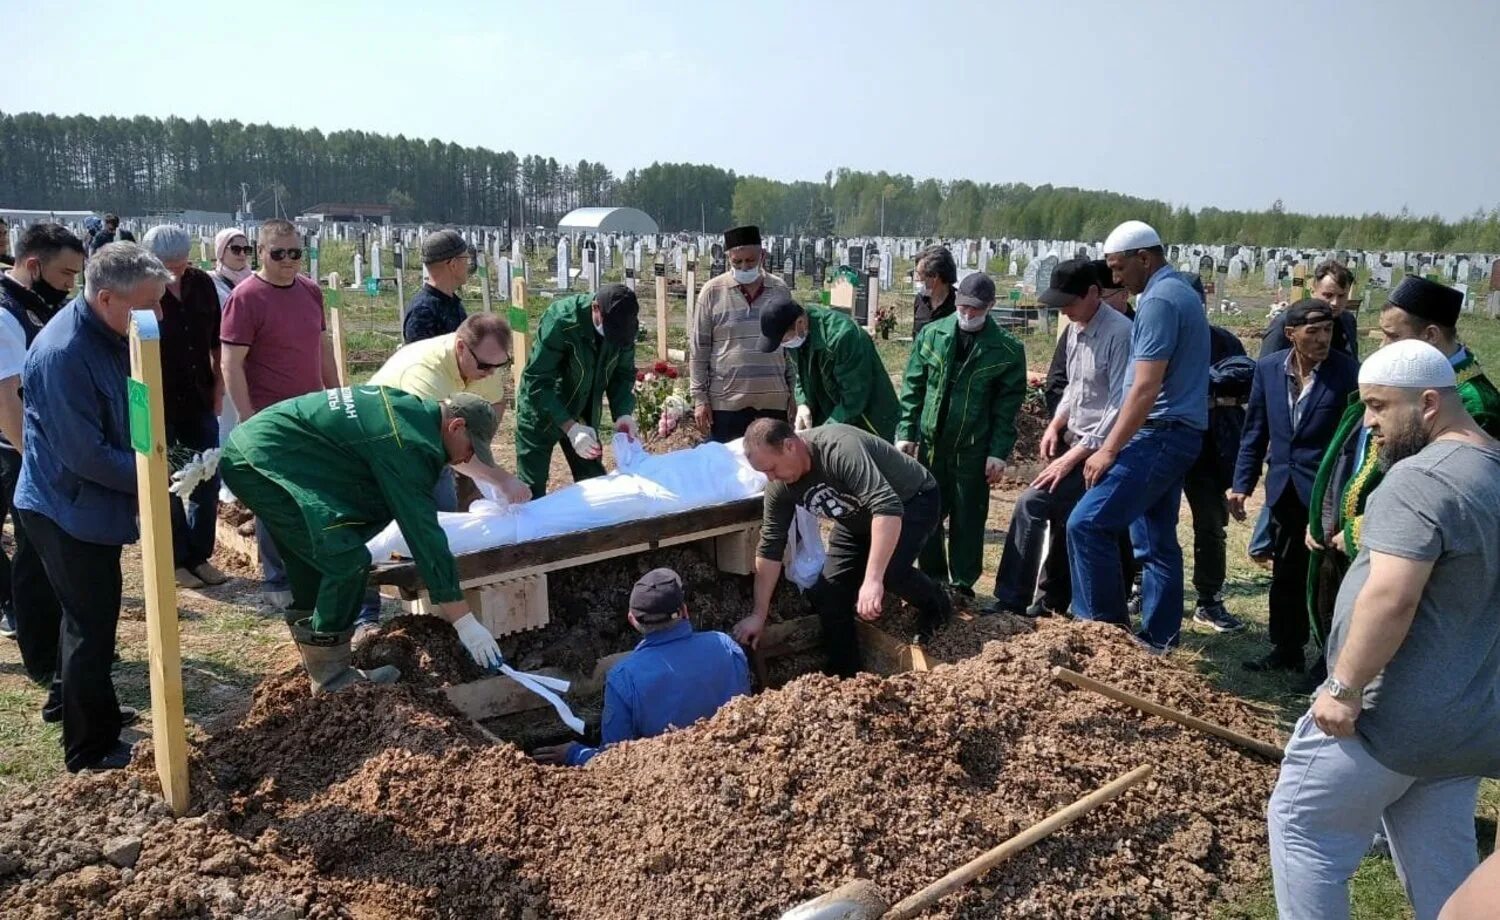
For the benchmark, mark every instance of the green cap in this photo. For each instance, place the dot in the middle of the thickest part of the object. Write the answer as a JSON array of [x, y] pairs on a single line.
[[479, 421]]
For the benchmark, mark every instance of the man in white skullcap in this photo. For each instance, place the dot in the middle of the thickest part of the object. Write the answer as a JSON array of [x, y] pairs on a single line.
[[1408, 721], [1135, 477]]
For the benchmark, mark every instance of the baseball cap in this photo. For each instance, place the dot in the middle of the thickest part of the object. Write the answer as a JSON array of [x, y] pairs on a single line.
[[976, 290], [775, 320], [1105, 276], [621, 311], [442, 245], [479, 422], [657, 596], [1307, 312], [1070, 281]]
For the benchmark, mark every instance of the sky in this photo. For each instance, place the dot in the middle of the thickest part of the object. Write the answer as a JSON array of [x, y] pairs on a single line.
[[1331, 106]]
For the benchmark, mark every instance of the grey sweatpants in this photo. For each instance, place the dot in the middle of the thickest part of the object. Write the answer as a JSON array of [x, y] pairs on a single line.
[[1332, 797]]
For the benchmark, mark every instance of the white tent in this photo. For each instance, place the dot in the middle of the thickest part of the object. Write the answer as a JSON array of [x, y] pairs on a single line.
[[607, 220]]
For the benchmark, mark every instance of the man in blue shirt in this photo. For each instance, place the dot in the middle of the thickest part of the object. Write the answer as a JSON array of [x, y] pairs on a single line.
[[674, 677], [1135, 477], [76, 496], [437, 309]]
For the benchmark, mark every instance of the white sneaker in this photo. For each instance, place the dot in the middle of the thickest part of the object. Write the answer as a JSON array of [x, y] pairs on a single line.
[[281, 600]]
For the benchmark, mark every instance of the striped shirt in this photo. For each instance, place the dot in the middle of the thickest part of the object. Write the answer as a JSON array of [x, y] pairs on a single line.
[[729, 371]]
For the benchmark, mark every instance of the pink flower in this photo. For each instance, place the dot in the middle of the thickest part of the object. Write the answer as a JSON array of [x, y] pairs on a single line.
[[650, 378]]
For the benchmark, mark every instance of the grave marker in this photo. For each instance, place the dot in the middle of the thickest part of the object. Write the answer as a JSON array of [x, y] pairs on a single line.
[[659, 269]]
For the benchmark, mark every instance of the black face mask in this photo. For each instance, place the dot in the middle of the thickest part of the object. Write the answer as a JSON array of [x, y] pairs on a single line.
[[51, 296]]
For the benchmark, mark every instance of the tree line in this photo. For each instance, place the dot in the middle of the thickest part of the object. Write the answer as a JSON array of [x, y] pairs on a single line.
[[134, 165]]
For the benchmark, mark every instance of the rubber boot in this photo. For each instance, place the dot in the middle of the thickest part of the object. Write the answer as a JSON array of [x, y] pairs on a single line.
[[325, 657]]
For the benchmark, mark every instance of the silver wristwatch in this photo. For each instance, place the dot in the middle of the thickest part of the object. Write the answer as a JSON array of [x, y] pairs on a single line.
[[1336, 689]]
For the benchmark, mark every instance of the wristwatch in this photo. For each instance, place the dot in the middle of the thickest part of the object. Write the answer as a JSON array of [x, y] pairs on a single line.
[[1336, 689]]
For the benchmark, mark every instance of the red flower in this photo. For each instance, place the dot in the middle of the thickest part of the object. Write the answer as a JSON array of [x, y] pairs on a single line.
[[661, 367], [640, 376], [671, 372]]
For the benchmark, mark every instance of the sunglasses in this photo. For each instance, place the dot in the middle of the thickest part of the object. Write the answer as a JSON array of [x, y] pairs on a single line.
[[278, 254], [485, 366], [240, 250]]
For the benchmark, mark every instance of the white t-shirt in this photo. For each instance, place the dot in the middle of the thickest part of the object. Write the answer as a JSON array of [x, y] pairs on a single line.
[[12, 355]]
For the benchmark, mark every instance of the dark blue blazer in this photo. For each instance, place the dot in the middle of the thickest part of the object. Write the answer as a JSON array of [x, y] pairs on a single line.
[[1293, 456]]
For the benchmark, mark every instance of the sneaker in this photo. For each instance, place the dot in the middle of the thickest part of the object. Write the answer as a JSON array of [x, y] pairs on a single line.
[[1133, 605], [1276, 660], [209, 574], [186, 579], [1039, 609], [281, 600], [7, 624], [129, 715], [1151, 648], [117, 759], [1215, 617]]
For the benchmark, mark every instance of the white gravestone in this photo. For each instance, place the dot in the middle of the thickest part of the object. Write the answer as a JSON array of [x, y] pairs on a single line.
[[563, 277]]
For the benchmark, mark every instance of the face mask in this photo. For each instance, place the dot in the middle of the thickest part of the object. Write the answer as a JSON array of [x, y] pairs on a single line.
[[51, 296], [971, 325], [599, 328], [746, 275], [923, 289], [794, 343]]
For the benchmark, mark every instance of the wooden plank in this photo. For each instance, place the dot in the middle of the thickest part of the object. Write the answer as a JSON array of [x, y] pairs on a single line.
[[735, 552], [567, 550], [168, 734], [661, 312], [520, 342], [882, 652], [340, 354], [493, 697]]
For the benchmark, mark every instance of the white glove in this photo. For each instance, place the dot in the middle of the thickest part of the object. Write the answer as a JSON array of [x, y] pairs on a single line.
[[626, 423], [804, 418], [907, 447], [481, 645], [185, 480], [585, 440], [994, 468]]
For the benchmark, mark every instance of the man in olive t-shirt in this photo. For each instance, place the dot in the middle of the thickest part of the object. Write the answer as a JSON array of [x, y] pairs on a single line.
[[884, 506]]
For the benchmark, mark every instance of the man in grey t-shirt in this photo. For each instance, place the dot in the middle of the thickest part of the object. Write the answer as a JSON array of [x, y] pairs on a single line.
[[883, 504], [1409, 719]]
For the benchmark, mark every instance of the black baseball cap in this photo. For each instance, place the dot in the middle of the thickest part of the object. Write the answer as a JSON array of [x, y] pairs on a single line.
[[657, 596], [775, 320], [976, 290], [1105, 276], [621, 313], [1309, 311], [1070, 281]]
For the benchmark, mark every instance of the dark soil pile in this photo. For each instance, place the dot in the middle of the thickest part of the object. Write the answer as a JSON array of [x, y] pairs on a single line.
[[425, 649], [381, 802]]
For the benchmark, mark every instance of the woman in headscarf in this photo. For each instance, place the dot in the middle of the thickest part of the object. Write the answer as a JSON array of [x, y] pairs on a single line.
[[232, 251]]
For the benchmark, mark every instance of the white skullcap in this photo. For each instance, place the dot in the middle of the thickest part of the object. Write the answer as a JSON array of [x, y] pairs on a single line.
[[1410, 364], [1133, 234]]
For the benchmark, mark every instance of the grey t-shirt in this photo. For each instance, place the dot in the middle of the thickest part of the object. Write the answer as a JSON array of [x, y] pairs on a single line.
[[855, 475], [1435, 709]]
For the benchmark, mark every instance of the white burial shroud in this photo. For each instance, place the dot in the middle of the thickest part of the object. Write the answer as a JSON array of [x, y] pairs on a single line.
[[643, 486]]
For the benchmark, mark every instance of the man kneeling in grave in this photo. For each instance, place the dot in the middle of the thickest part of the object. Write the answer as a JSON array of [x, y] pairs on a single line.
[[327, 471], [884, 505], [674, 677]]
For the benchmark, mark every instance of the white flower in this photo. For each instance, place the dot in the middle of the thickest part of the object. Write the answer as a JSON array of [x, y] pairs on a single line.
[[650, 377]]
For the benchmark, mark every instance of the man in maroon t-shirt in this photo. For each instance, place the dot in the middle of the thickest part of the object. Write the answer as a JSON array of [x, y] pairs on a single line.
[[275, 346]]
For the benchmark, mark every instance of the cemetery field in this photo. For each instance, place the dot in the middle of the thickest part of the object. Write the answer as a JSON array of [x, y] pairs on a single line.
[[230, 642]]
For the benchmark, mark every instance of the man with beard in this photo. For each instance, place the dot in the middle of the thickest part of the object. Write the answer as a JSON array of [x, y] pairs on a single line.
[[1408, 721], [48, 260]]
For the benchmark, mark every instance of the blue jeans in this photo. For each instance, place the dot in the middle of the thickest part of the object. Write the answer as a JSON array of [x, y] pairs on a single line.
[[1262, 539], [272, 569], [445, 494], [1143, 488], [194, 518]]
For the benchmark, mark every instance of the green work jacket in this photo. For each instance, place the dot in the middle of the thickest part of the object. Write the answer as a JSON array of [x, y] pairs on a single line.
[[962, 410], [840, 376], [572, 369]]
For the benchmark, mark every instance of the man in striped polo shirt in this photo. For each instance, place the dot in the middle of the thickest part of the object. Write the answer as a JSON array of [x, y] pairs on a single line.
[[734, 382]]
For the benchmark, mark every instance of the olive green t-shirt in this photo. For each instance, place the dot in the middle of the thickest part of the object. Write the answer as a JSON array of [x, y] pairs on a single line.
[[854, 477]]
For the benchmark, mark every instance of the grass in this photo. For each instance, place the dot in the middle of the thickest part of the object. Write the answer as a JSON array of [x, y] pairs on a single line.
[[229, 643]]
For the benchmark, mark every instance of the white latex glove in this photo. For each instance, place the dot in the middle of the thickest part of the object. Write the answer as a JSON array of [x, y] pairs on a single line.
[[211, 462], [626, 424], [907, 447], [481, 645], [994, 468], [804, 419], [585, 441], [185, 480]]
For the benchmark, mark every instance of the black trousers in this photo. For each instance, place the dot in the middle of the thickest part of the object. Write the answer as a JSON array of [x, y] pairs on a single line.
[[1289, 625], [837, 590], [1036, 512], [87, 579], [730, 426], [25, 587], [1210, 519]]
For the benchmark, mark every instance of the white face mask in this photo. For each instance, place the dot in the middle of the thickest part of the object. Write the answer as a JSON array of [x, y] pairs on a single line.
[[969, 324], [794, 343], [599, 328], [746, 275], [923, 289]]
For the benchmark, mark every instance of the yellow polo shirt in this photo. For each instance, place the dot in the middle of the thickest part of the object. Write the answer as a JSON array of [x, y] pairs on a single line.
[[429, 369]]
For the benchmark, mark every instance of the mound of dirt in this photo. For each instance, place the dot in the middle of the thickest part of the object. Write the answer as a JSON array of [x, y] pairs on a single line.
[[381, 802], [426, 649], [684, 437]]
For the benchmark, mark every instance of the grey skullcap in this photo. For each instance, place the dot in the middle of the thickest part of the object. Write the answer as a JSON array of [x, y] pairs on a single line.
[[442, 245]]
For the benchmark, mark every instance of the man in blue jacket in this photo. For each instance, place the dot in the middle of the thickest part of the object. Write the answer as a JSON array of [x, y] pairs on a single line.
[[674, 677], [76, 496], [1296, 401]]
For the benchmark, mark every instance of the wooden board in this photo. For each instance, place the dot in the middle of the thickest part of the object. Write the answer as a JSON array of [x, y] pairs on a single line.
[[885, 654], [570, 549]]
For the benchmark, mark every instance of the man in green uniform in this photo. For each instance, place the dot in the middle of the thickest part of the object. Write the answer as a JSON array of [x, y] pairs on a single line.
[[585, 350], [1416, 309], [840, 377], [326, 472], [964, 384]]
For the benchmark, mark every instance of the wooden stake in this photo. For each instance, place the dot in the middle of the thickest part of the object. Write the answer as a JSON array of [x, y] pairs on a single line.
[[484, 279], [917, 903], [692, 303], [340, 354], [661, 310], [1172, 715], [148, 437], [519, 331]]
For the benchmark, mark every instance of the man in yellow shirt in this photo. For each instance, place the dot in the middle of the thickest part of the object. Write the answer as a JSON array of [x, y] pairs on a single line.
[[436, 369]]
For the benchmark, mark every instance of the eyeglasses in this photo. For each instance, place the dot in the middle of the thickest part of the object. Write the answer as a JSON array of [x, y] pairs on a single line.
[[278, 254], [240, 250], [486, 366]]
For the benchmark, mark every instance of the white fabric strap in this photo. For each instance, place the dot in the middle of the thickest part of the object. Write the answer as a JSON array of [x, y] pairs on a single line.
[[543, 687]]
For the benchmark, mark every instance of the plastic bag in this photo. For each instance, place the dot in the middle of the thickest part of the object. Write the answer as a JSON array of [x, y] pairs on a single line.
[[804, 547]]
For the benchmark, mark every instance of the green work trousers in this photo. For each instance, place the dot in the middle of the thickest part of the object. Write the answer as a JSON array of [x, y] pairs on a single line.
[[328, 580], [965, 508], [534, 445]]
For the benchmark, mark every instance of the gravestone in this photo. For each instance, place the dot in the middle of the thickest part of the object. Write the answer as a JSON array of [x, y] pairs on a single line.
[[820, 271], [1236, 270], [502, 277], [564, 274], [630, 263], [1012, 269], [1206, 268], [1272, 273], [887, 270], [1461, 270], [1041, 272]]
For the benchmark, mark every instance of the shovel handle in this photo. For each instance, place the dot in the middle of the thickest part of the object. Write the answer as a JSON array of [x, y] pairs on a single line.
[[914, 905], [1172, 715]]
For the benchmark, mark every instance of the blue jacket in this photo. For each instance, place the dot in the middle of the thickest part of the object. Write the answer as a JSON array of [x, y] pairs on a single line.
[[77, 467], [673, 678], [1294, 455]]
